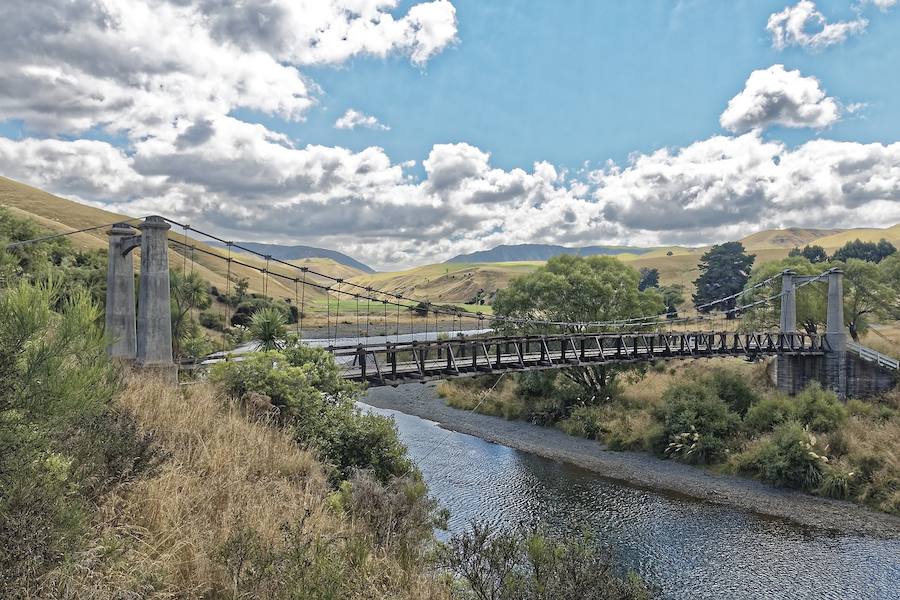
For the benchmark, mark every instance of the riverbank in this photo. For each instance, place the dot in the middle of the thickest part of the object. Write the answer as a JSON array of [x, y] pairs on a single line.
[[639, 469]]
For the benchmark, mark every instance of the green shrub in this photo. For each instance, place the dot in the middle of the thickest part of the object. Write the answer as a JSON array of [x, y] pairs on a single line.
[[584, 421], [61, 447], [528, 563], [820, 409], [692, 407], [836, 483], [791, 456], [311, 397], [212, 320], [734, 390], [399, 515], [770, 412]]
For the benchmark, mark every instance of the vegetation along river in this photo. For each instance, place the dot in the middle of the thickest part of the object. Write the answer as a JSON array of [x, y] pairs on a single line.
[[686, 547]]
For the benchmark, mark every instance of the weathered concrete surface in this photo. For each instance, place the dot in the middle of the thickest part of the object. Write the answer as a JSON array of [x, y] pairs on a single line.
[[639, 469], [154, 320], [120, 310]]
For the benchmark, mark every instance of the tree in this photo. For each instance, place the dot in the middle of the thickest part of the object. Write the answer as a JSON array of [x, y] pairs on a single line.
[[890, 276], [189, 291], [578, 289], [649, 278], [866, 295], [724, 271], [269, 327], [867, 251], [673, 297], [814, 254]]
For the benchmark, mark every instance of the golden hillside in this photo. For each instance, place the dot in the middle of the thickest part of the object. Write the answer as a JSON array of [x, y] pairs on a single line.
[[61, 215]]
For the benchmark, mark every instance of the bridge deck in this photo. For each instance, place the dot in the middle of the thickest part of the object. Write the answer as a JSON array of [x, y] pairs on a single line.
[[396, 363]]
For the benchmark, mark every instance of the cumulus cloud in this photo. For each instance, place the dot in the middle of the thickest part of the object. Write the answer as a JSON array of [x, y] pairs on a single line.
[[883, 4], [775, 96], [245, 181], [353, 119], [805, 26], [169, 75], [138, 66]]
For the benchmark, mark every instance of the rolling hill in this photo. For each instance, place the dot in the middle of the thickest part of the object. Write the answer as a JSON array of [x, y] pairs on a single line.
[[453, 282], [61, 215], [291, 253], [526, 252]]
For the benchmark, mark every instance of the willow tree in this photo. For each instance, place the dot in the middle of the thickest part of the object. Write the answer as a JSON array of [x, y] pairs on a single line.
[[576, 290]]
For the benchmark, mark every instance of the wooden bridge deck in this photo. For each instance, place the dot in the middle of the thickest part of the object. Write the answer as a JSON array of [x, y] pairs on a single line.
[[405, 362]]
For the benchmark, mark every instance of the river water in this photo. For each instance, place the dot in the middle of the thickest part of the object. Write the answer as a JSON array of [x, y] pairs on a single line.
[[689, 549]]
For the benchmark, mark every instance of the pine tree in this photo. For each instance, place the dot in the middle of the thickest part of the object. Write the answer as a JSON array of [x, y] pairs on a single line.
[[724, 271]]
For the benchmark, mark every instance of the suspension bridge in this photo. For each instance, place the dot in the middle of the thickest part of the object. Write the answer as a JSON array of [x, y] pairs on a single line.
[[142, 334]]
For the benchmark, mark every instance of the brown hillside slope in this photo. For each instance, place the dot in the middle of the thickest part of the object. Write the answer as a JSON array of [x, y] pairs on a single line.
[[61, 215]]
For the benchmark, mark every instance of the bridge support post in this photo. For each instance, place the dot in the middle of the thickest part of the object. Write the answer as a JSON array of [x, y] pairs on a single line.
[[836, 336], [154, 322], [785, 374], [120, 311]]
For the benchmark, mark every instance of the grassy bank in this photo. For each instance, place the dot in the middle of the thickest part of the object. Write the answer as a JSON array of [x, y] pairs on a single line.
[[234, 508], [725, 416]]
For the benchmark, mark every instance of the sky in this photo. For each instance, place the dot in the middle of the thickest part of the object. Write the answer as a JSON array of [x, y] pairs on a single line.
[[406, 132]]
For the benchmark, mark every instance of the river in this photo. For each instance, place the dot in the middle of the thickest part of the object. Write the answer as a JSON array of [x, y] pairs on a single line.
[[688, 548]]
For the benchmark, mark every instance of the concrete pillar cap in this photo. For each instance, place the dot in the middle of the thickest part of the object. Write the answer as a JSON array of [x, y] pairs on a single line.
[[121, 229], [154, 222]]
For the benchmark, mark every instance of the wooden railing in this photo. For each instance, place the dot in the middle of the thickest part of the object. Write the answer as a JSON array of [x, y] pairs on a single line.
[[395, 363]]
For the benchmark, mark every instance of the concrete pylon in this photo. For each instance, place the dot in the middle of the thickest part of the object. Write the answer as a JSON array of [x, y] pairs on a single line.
[[788, 321], [154, 321], [836, 336], [785, 374], [120, 313]]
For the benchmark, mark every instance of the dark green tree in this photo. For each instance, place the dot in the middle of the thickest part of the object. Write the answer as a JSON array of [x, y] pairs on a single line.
[[724, 271], [814, 254], [868, 251], [649, 278]]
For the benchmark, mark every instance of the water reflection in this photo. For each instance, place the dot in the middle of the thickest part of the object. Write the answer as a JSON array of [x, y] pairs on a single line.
[[690, 549]]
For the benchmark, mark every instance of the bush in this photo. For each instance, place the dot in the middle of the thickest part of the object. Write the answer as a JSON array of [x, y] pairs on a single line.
[[791, 456], [399, 515], [692, 408], [305, 386], [527, 563], [820, 409], [769, 412], [61, 448], [212, 320], [734, 390]]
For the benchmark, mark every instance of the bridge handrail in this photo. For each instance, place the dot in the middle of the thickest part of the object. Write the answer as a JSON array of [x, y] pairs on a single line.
[[350, 349], [873, 356]]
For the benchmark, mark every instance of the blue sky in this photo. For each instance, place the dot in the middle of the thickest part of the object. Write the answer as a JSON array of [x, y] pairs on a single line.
[[577, 81], [405, 132]]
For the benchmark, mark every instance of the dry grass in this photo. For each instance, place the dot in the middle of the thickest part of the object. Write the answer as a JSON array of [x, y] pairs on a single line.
[[469, 394], [229, 487]]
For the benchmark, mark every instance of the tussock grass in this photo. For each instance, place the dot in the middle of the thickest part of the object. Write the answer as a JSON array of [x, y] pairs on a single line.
[[237, 509]]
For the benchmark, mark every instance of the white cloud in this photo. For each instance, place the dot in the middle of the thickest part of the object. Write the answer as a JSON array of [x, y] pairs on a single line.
[[775, 96], [353, 119], [171, 73], [139, 66], [241, 180], [804, 25], [883, 4]]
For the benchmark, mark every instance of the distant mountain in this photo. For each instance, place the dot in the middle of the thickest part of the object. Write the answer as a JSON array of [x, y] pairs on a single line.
[[520, 252], [298, 252]]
